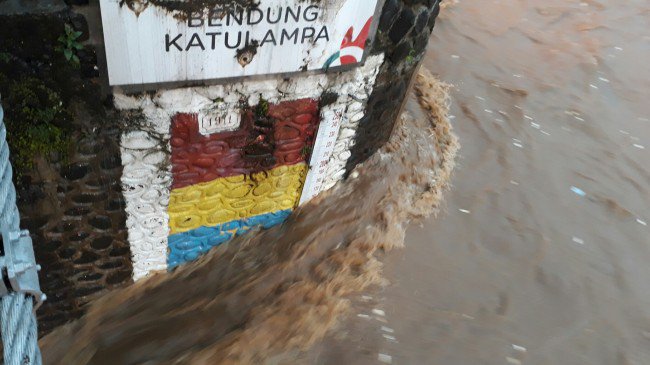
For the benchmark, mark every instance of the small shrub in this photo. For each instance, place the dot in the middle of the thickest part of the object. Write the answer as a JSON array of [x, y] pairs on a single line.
[[69, 44]]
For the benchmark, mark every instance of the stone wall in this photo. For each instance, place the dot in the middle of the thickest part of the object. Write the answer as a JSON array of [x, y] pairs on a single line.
[[70, 197], [130, 195], [403, 35], [187, 191]]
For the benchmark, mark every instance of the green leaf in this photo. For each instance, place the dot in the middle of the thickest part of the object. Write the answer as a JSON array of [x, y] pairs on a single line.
[[68, 54], [77, 34], [77, 45]]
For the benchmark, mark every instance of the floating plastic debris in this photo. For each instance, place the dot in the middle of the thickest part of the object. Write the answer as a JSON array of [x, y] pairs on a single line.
[[641, 222], [455, 56], [618, 48], [386, 359], [518, 144], [387, 329], [641, 147], [514, 182], [364, 316], [603, 79], [389, 337], [379, 312], [518, 348], [488, 111], [479, 98], [578, 240], [578, 191], [546, 133], [535, 125], [593, 86], [464, 211], [528, 117], [623, 132]]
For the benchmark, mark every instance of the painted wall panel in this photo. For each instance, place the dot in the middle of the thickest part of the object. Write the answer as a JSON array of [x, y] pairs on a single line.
[[235, 197], [283, 136], [169, 226]]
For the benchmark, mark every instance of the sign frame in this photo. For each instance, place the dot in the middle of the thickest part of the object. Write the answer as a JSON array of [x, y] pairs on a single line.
[[208, 78]]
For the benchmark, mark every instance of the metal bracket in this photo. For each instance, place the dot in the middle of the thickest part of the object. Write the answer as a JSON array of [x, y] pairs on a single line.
[[18, 265]]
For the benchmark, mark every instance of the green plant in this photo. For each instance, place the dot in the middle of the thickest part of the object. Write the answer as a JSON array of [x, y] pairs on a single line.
[[5, 57], [37, 121], [411, 56], [69, 44], [306, 151], [262, 108]]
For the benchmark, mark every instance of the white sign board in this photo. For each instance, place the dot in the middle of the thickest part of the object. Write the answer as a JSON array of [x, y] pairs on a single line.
[[152, 41]]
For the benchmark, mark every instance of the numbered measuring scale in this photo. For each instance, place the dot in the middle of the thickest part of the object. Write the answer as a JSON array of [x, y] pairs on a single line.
[[328, 132]]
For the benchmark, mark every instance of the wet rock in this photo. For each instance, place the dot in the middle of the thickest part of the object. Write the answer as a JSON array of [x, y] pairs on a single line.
[[74, 171], [100, 222], [101, 243], [86, 258]]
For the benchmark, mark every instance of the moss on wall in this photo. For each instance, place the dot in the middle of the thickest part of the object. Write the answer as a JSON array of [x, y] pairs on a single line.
[[37, 121]]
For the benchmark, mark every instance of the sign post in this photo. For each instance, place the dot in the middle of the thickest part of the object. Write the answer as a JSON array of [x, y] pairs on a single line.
[[169, 41]]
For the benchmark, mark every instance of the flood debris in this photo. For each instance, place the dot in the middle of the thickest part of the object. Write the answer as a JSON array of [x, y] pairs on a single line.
[[386, 359], [578, 240], [578, 191]]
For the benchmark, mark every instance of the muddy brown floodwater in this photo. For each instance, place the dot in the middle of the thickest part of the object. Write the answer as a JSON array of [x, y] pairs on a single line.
[[542, 253]]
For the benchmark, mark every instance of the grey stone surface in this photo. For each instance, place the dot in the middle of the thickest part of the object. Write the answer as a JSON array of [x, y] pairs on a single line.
[[21, 7]]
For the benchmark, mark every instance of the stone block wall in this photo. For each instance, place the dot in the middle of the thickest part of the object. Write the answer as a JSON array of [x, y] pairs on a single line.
[[70, 199], [74, 211], [403, 34]]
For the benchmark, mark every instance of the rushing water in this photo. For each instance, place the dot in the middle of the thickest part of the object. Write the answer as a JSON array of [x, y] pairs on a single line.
[[542, 255]]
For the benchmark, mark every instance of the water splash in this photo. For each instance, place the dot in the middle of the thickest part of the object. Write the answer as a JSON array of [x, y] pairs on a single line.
[[282, 289]]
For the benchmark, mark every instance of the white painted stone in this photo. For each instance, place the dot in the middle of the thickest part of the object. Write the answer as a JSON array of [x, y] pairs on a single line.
[[145, 152]]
